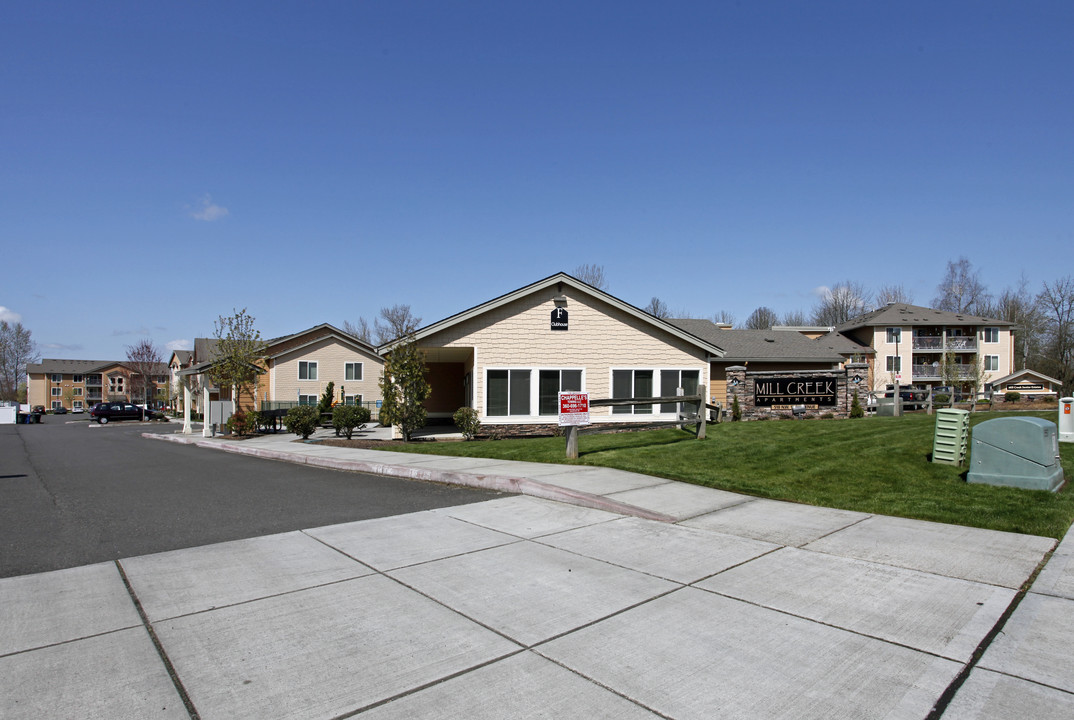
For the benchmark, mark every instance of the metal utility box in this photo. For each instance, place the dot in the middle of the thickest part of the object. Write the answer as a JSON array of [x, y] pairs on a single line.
[[951, 437], [885, 407], [1016, 451], [1066, 420]]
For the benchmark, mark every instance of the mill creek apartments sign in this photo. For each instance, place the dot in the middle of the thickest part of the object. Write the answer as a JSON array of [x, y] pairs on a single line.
[[784, 393]]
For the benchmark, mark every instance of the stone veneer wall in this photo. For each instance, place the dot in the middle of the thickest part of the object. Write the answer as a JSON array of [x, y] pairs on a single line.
[[742, 383]]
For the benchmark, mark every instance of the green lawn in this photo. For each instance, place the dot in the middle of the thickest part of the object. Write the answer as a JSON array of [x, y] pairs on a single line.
[[874, 465]]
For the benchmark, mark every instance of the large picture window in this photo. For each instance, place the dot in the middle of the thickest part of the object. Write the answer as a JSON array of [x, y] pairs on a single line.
[[551, 383], [507, 393], [894, 335], [672, 380], [632, 383], [894, 363], [991, 335], [307, 370], [991, 363], [352, 371], [307, 399]]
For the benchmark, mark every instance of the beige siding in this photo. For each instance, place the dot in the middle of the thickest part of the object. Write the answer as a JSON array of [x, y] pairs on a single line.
[[600, 337], [330, 354]]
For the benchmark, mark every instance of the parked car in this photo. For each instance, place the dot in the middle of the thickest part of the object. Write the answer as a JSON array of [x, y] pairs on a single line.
[[37, 410], [61, 410], [106, 412], [912, 398]]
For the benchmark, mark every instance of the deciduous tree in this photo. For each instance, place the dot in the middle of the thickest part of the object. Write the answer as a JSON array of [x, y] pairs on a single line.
[[1057, 305], [238, 349], [17, 350], [145, 362], [592, 275], [404, 388], [840, 303], [961, 290], [658, 308], [761, 319]]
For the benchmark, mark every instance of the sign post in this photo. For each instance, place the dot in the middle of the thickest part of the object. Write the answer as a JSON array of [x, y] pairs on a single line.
[[573, 413]]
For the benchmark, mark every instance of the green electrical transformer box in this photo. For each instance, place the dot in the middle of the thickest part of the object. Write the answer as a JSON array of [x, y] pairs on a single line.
[[1016, 451]]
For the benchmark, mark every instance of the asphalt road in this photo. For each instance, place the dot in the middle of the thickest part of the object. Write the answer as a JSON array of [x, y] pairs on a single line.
[[74, 493]]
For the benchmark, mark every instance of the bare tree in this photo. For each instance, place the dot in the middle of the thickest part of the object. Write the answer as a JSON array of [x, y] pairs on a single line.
[[1057, 305], [17, 350], [723, 318], [961, 290], [359, 330], [762, 318], [796, 318], [238, 349], [657, 307], [840, 303], [888, 294], [1018, 306], [145, 363], [398, 322], [592, 275]]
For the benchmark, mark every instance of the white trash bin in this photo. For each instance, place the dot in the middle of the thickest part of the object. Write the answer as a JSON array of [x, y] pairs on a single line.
[[1066, 420]]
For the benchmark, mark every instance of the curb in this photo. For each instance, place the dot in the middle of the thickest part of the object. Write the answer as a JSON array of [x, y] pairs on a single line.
[[500, 483]]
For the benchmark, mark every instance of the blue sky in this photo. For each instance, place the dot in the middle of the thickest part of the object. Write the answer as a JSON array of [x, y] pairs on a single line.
[[165, 163]]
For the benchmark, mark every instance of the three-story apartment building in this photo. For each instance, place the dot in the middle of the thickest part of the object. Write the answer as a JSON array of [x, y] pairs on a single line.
[[929, 348]]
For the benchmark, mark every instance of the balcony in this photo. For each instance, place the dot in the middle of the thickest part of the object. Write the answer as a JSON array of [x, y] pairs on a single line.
[[935, 372], [954, 344]]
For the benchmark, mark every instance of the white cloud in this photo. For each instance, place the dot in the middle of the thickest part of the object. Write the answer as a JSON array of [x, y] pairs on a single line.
[[207, 210], [173, 345], [8, 315], [61, 346], [822, 291]]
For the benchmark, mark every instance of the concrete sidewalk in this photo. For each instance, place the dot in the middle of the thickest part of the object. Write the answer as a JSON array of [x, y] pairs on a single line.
[[596, 593]]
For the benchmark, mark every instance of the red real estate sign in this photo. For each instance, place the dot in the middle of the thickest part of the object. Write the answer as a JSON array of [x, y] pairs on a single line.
[[573, 408]]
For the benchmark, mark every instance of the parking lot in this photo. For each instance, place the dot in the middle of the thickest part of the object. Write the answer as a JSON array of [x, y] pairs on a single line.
[[74, 493]]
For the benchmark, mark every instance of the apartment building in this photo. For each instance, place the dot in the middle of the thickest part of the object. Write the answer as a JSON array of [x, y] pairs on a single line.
[[929, 348], [78, 385]]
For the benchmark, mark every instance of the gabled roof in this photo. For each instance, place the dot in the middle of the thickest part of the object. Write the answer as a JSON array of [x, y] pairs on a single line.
[[183, 356], [570, 281], [331, 331], [1026, 373], [204, 349], [66, 367], [84, 367], [897, 314], [759, 345], [845, 346]]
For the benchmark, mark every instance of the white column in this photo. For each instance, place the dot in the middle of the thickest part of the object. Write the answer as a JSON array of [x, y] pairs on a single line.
[[206, 426], [186, 408]]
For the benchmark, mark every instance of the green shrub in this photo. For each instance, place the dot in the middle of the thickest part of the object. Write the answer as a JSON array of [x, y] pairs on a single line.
[[255, 421], [736, 409], [345, 418], [856, 410], [466, 420], [302, 420], [941, 398], [1012, 396], [238, 423], [984, 401]]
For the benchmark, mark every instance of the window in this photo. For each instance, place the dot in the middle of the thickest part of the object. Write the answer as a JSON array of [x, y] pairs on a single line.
[[991, 362], [991, 335], [77, 391], [507, 393], [672, 380], [632, 383], [352, 371], [894, 363], [307, 370], [56, 404], [352, 399], [76, 378], [894, 335], [307, 399], [57, 377], [550, 383], [56, 392]]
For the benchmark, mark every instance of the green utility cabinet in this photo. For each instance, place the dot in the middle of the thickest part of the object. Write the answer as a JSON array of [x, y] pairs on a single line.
[[1016, 451], [952, 436]]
